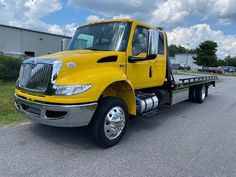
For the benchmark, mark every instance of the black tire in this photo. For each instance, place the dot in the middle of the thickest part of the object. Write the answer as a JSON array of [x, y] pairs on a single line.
[[200, 93], [97, 124], [191, 96], [207, 91]]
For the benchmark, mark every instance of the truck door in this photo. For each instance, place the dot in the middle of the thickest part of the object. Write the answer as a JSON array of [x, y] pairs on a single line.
[[146, 72], [139, 72]]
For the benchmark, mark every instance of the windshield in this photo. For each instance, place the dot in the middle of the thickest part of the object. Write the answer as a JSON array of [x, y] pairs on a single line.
[[111, 36]]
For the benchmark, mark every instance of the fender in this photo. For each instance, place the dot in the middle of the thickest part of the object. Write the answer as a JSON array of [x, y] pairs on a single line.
[[122, 89]]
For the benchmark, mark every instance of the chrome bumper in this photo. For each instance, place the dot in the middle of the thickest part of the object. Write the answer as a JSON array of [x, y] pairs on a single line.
[[56, 115]]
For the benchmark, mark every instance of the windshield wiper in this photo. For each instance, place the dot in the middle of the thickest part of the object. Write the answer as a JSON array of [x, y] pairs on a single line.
[[90, 48], [95, 49]]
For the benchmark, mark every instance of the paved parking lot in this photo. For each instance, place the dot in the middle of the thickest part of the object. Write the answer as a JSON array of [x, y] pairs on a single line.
[[187, 139]]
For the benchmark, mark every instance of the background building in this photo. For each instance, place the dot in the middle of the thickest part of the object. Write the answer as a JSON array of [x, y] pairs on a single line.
[[184, 60], [16, 41]]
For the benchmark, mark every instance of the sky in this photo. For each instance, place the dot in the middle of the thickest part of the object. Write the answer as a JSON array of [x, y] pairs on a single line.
[[186, 21]]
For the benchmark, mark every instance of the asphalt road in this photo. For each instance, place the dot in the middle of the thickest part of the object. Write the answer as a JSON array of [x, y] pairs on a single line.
[[187, 139]]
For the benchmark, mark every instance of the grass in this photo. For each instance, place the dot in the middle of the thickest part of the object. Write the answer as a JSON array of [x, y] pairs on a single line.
[[8, 113]]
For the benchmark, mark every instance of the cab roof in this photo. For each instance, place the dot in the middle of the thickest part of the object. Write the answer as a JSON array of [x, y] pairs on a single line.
[[122, 20]]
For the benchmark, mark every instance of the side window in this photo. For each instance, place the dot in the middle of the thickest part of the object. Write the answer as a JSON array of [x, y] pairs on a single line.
[[140, 41], [161, 44]]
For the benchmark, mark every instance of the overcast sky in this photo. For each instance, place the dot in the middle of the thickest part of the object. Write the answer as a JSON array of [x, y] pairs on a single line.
[[186, 21]]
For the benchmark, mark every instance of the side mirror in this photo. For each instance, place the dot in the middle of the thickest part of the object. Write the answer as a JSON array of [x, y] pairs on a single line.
[[133, 59], [153, 37], [151, 56]]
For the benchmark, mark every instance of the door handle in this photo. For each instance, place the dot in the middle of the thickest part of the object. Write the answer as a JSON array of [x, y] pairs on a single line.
[[150, 71]]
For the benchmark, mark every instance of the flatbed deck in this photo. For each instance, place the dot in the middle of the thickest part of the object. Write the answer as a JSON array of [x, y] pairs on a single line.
[[181, 81]]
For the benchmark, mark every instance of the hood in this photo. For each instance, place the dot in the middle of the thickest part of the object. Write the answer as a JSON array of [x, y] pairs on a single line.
[[86, 57], [80, 55], [83, 64]]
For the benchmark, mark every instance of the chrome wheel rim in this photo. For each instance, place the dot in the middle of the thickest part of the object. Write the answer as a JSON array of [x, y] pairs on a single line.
[[114, 122], [203, 93]]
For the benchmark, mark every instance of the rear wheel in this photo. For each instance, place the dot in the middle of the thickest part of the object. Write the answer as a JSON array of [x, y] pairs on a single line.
[[191, 96], [207, 91], [109, 122], [201, 93]]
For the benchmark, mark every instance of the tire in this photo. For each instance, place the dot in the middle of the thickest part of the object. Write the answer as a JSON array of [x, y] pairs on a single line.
[[191, 96], [200, 93], [207, 91], [111, 112]]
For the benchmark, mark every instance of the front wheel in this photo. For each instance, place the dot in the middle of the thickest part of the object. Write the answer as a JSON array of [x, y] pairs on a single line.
[[109, 122]]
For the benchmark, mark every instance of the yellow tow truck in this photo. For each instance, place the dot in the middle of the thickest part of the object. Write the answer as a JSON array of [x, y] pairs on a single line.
[[112, 69]]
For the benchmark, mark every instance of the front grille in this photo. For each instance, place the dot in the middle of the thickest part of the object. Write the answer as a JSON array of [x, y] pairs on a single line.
[[35, 76]]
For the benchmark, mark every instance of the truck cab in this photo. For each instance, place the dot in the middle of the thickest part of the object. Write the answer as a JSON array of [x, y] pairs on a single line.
[[112, 69]]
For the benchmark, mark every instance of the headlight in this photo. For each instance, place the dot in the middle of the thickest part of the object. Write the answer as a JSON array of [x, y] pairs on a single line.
[[72, 90]]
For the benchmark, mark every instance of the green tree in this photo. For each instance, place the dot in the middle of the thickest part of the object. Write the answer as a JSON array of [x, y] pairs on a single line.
[[221, 62], [231, 61], [206, 54], [174, 49]]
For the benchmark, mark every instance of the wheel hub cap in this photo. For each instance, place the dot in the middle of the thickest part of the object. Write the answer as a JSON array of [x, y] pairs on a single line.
[[203, 93], [114, 122]]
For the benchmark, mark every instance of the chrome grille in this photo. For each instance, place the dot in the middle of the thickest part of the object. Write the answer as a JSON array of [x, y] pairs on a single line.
[[35, 76]]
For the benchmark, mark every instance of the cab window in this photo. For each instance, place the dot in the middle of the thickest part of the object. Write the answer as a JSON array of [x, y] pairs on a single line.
[[161, 44], [140, 41]]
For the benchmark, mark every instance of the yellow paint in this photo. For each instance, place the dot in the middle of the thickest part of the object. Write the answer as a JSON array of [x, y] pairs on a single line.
[[107, 79], [138, 73]]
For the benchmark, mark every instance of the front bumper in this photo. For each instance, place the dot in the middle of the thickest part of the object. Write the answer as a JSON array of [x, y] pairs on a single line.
[[56, 115]]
